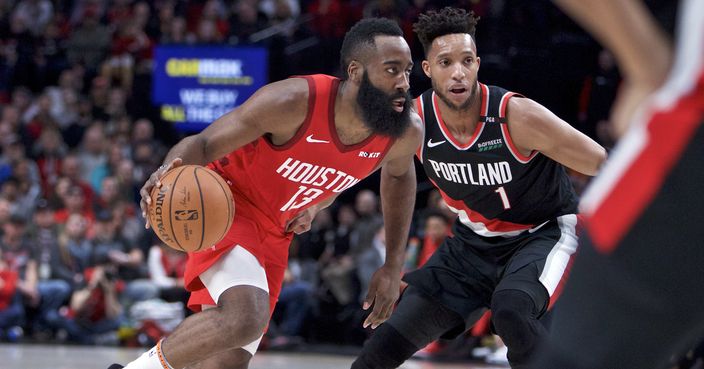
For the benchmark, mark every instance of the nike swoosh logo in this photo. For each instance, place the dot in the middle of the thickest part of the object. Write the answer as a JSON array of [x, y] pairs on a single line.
[[313, 140], [433, 144], [537, 227]]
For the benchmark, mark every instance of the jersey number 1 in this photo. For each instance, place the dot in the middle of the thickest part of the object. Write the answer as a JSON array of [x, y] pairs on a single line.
[[504, 198], [305, 197]]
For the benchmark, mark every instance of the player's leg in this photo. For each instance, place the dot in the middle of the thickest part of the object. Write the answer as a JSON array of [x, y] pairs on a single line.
[[515, 313], [529, 280], [417, 321], [238, 283]]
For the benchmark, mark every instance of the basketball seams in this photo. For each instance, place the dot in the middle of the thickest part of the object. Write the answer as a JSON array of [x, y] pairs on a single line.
[[229, 202], [171, 198], [185, 212], [202, 209]]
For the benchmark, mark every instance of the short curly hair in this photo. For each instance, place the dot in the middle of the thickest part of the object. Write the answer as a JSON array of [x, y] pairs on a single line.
[[434, 24]]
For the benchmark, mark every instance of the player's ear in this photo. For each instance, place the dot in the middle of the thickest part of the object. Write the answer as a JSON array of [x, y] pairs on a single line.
[[426, 67], [355, 70]]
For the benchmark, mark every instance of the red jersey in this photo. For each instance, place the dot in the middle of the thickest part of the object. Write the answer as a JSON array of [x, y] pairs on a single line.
[[271, 183], [284, 180]]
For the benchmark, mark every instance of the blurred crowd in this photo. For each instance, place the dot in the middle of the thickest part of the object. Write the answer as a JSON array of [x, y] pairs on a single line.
[[79, 136]]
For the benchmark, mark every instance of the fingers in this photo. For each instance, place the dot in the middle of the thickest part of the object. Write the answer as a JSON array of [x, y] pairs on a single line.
[[381, 312], [300, 224], [144, 203], [154, 180]]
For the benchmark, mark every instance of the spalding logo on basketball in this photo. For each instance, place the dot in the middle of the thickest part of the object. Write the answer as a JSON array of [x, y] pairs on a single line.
[[193, 209]]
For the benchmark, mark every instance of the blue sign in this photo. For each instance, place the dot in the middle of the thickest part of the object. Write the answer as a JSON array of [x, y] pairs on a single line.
[[195, 85]]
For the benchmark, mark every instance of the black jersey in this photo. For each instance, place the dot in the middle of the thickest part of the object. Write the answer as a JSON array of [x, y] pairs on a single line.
[[494, 189]]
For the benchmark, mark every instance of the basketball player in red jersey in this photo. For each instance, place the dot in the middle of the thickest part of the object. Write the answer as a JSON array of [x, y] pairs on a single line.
[[287, 152], [634, 298], [497, 159]]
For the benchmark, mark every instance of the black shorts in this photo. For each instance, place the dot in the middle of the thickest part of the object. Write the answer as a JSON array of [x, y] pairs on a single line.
[[468, 269]]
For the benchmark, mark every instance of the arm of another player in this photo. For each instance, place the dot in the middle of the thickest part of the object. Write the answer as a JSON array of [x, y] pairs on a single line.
[[535, 128], [398, 193], [643, 51], [277, 109]]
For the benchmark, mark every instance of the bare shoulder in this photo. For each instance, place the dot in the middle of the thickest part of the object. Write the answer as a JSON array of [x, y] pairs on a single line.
[[278, 106], [530, 123], [277, 109], [523, 111]]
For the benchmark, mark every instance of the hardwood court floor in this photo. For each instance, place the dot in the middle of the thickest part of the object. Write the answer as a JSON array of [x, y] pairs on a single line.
[[15, 356]]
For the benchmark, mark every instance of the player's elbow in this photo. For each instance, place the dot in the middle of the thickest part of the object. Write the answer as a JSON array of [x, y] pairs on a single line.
[[598, 159]]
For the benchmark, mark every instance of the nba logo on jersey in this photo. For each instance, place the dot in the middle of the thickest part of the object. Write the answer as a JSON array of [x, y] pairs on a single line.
[[371, 155]]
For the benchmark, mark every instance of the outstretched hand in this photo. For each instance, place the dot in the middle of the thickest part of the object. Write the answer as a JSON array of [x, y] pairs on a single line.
[[154, 180], [384, 289]]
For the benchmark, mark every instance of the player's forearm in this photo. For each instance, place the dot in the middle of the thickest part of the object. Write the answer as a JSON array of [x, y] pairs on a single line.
[[192, 150], [627, 29], [398, 195]]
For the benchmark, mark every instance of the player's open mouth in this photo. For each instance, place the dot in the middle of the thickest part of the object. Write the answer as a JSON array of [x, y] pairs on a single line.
[[398, 104], [458, 90]]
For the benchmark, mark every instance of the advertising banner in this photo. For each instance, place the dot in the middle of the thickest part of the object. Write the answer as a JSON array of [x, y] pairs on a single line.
[[195, 85]]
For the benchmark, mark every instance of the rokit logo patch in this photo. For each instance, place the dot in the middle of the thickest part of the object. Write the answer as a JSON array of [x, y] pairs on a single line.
[[186, 214]]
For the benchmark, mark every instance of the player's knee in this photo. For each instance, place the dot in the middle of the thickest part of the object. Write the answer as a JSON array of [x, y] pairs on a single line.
[[511, 309], [245, 313], [386, 349]]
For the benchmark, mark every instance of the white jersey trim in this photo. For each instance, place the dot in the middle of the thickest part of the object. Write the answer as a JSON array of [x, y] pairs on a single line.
[[421, 113], [559, 257], [482, 230], [448, 135]]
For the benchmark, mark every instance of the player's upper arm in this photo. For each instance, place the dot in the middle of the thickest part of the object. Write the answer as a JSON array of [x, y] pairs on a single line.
[[277, 109], [535, 128], [400, 156]]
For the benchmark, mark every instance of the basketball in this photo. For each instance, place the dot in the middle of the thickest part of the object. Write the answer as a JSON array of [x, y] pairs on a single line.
[[193, 208]]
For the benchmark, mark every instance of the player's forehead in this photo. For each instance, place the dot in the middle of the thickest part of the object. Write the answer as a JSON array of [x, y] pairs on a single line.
[[452, 44], [391, 49]]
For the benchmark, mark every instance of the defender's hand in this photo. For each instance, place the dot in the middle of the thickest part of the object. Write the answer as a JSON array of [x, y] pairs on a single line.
[[384, 289], [154, 180]]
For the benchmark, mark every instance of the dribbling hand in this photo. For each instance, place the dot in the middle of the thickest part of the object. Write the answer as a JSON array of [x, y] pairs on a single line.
[[154, 180]]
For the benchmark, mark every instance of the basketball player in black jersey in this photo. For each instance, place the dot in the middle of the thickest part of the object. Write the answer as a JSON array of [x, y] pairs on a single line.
[[497, 159], [634, 298]]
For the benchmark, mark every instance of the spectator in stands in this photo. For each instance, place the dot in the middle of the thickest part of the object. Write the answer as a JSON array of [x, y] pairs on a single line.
[[49, 151], [166, 270], [91, 153], [95, 310], [367, 207], [75, 252], [74, 202], [54, 290], [11, 307], [435, 230], [89, 42], [127, 260], [370, 259], [293, 308]]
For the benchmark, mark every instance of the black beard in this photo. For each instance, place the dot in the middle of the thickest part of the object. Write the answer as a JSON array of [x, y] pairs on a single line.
[[377, 109], [465, 105]]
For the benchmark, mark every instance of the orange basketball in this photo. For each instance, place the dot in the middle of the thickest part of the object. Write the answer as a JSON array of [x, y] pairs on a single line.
[[193, 208]]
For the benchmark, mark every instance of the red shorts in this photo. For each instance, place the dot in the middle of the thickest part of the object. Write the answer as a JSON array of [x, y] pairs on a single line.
[[257, 234]]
